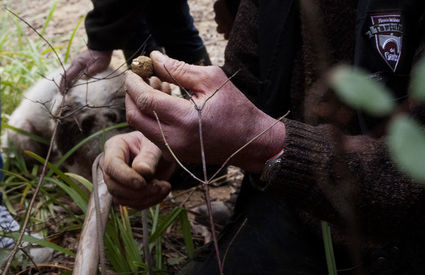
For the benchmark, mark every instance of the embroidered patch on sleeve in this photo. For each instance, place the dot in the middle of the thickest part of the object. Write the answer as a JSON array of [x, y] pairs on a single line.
[[386, 32]]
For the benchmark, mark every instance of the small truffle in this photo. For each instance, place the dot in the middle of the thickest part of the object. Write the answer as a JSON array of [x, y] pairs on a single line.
[[142, 66]]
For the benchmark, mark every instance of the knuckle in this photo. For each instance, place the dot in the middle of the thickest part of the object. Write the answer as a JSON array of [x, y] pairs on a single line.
[[131, 116], [108, 171], [178, 68], [145, 102], [111, 189]]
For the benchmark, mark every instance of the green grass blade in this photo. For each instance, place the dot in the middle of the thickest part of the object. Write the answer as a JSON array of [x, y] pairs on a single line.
[[87, 184], [54, 169], [130, 245], [169, 220], [155, 217], [158, 254], [10, 173], [26, 133], [113, 245], [49, 17], [79, 200], [41, 242], [68, 48], [187, 234], [329, 251]]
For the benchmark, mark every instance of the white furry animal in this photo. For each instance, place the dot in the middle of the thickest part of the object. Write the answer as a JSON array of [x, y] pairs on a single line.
[[91, 105]]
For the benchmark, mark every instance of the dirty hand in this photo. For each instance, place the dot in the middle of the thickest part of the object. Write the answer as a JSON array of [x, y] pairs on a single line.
[[229, 119], [134, 171], [86, 64]]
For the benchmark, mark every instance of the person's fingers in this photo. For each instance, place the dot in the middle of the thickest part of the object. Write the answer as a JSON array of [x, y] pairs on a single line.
[[146, 198], [195, 78], [166, 88], [98, 65], [155, 82], [115, 165], [73, 73], [148, 99], [145, 123], [147, 159]]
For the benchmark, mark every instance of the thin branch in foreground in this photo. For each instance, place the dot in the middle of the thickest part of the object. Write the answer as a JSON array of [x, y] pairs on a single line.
[[207, 191], [218, 89], [41, 36], [31, 259], [13, 252], [31, 205], [171, 151], [246, 144], [233, 239]]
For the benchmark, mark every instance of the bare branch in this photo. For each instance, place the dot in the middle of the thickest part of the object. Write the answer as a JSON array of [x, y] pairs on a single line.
[[171, 151], [31, 205], [190, 97], [207, 191], [30, 258], [233, 239], [218, 89], [41, 36], [246, 144]]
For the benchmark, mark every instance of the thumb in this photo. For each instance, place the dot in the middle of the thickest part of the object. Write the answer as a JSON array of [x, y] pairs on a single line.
[[195, 78], [147, 159]]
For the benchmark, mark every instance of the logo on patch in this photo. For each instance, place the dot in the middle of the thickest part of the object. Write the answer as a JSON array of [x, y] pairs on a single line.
[[387, 32]]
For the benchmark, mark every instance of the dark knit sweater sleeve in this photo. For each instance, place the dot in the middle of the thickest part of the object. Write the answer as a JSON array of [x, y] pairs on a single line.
[[112, 24], [347, 180]]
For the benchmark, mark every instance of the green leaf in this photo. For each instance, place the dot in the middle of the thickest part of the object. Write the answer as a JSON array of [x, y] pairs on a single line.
[[81, 202], [87, 184], [417, 83], [54, 169], [132, 252], [41, 242], [187, 234], [168, 221], [49, 17], [68, 48], [356, 89], [329, 251], [26, 133], [406, 141], [113, 245]]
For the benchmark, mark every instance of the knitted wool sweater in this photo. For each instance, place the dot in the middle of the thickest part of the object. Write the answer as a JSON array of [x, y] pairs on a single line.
[[331, 169]]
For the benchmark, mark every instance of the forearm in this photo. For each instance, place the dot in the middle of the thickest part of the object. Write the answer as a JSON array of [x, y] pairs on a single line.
[[345, 179]]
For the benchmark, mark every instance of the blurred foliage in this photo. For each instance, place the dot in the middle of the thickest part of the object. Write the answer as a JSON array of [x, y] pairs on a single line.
[[406, 137]]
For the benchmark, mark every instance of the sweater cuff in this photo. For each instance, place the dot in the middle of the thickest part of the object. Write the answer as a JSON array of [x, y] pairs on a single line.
[[304, 163]]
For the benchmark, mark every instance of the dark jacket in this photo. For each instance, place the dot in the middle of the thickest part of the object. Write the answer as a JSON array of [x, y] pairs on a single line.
[[335, 165]]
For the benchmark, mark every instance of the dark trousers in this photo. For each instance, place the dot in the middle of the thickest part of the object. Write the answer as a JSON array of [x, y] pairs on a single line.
[[168, 24], [272, 241]]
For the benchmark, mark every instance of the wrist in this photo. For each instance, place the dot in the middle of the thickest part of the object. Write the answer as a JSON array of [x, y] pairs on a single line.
[[265, 147]]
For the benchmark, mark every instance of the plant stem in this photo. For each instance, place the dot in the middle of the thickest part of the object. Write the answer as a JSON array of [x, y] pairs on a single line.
[[207, 192], [30, 207], [148, 256]]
